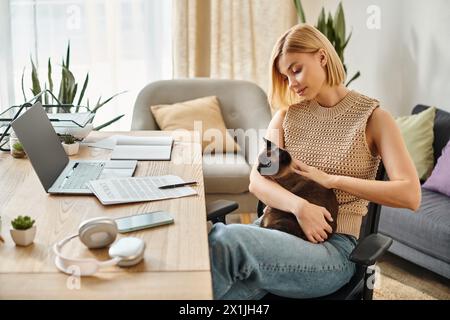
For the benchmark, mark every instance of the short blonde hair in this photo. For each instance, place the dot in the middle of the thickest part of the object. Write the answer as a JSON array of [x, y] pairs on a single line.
[[306, 39]]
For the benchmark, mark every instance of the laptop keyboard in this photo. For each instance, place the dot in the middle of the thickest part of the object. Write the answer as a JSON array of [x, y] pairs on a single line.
[[82, 173]]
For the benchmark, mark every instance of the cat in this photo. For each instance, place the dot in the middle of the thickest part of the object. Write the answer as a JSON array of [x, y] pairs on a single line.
[[276, 163]]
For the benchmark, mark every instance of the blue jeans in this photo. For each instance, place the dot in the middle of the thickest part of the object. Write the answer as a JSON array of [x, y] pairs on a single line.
[[248, 261]]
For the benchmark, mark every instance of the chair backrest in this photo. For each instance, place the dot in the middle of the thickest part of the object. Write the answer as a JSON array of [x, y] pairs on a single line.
[[370, 220], [243, 104]]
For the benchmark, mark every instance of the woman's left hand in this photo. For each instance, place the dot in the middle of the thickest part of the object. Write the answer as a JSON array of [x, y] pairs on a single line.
[[317, 175]]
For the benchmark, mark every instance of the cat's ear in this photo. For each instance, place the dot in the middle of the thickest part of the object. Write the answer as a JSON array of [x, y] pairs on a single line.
[[269, 144]]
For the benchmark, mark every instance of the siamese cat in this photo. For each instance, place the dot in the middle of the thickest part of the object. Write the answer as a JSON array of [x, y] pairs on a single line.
[[276, 164]]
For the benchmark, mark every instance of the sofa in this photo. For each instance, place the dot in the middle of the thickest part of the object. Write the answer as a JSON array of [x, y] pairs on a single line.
[[423, 237], [244, 108]]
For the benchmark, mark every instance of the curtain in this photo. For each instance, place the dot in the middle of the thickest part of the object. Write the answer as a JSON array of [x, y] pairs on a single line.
[[6, 81], [230, 39], [122, 44]]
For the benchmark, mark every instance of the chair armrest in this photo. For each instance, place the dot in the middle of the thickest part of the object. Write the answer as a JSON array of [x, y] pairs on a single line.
[[370, 249], [217, 210]]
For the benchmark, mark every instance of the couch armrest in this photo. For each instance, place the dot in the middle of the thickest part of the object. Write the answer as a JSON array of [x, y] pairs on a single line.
[[217, 210], [370, 249]]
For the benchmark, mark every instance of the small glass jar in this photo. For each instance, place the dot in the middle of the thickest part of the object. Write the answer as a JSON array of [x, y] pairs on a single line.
[[15, 146]]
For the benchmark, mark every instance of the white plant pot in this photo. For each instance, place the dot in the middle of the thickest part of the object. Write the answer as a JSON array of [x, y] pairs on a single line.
[[23, 237], [72, 148]]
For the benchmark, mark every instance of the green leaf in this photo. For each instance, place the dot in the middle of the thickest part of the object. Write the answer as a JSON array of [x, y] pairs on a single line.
[[83, 90], [68, 56], [339, 23], [353, 78], [62, 86], [55, 98], [23, 88], [69, 85], [49, 76], [321, 22], [108, 123], [74, 93], [99, 105], [329, 29], [35, 80], [300, 11], [348, 39], [45, 95]]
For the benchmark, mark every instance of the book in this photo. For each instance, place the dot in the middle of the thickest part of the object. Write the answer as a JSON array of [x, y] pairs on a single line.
[[137, 148], [138, 189]]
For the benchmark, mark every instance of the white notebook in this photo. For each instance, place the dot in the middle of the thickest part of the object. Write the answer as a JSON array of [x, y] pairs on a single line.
[[142, 148], [137, 189]]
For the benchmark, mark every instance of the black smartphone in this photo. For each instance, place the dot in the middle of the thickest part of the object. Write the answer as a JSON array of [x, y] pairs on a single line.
[[143, 221]]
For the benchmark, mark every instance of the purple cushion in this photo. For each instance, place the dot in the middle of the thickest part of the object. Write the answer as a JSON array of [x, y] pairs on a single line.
[[440, 177]]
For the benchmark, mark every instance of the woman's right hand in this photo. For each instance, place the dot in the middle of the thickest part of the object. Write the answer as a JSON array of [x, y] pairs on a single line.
[[313, 220]]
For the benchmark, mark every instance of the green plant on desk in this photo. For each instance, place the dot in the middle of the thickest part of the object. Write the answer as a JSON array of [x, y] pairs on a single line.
[[22, 223], [68, 90], [17, 150], [23, 230], [68, 139]]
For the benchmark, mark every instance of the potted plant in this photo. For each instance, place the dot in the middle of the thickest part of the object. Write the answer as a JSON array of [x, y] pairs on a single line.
[[17, 150], [23, 230], [70, 145], [333, 28], [16, 147], [68, 99]]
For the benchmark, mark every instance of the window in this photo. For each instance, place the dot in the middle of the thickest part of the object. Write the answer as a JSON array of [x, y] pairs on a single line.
[[123, 44]]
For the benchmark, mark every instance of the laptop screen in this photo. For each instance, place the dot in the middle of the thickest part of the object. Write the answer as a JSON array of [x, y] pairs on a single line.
[[41, 144]]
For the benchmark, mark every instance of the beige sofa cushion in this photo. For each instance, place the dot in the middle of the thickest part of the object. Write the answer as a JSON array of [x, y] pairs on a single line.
[[417, 131], [206, 112], [226, 173]]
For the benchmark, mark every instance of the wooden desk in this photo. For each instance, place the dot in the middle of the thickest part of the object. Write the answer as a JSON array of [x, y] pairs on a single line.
[[176, 264]]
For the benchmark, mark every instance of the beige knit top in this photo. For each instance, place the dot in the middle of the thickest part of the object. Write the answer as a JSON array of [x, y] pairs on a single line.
[[334, 140]]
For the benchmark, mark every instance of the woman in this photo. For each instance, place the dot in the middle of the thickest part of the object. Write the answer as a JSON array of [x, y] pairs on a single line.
[[337, 137]]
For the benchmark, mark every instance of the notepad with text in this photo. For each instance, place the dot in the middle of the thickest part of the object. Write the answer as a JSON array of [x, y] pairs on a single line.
[[142, 148], [138, 189]]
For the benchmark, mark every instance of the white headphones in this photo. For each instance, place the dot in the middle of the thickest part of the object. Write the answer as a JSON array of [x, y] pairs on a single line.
[[99, 233]]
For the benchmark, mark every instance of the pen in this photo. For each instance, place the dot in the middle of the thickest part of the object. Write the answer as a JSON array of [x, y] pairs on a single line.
[[170, 186]]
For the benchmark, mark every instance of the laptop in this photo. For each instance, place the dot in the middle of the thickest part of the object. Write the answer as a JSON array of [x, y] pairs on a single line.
[[58, 174]]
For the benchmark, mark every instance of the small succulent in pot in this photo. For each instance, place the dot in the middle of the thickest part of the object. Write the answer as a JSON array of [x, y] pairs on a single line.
[[23, 230], [17, 150], [70, 144]]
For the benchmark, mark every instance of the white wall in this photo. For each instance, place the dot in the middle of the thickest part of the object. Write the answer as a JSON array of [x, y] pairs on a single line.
[[407, 60]]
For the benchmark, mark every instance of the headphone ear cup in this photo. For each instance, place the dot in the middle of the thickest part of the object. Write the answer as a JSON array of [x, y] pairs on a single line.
[[130, 251], [98, 232]]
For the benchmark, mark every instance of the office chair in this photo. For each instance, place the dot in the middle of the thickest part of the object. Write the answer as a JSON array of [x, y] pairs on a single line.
[[216, 211], [371, 246]]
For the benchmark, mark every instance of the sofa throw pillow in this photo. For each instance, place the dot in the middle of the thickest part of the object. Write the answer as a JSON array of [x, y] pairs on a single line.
[[417, 131], [202, 115], [439, 180]]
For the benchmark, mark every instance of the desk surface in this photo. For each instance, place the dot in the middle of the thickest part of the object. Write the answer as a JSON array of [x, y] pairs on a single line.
[[176, 264]]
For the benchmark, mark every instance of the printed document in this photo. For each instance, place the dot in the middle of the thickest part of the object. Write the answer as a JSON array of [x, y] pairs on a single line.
[[137, 189]]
